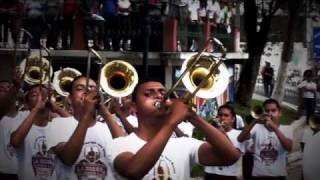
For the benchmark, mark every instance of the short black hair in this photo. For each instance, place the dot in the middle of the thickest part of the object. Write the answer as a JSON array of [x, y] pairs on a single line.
[[229, 107], [143, 81], [69, 88], [272, 101]]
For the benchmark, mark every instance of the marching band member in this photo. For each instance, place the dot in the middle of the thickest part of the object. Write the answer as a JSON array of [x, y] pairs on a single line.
[[35, 161], [227, 116], [271, 142], [151, 153], [80, 141], [8, 91]]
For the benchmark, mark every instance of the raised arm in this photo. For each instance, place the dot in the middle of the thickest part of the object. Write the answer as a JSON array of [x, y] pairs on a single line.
[[68, 152], [18, 136], [245, 133], [285, 142], [218, 150], [136, 166], [115, 129]]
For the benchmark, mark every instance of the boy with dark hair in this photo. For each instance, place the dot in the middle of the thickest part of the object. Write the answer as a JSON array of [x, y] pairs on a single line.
[[151, 153], [271, 142]]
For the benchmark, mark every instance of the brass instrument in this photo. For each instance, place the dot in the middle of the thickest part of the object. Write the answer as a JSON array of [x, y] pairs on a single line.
[[203, 74], [62, 80], [118, 78], [36, 71], [258, 113]]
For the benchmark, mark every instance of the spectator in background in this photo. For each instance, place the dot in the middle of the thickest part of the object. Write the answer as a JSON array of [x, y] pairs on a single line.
[[308, 91], [69, 12], [34, 20], [10, 20], [53, 14], [267, 78]]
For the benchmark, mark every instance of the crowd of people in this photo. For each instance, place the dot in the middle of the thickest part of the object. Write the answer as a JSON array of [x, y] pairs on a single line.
[[108, 24], [134, 138]]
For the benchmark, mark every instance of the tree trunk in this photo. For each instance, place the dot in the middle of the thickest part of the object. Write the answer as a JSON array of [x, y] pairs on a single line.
[[287, 50], [247, 80], [279, 88]]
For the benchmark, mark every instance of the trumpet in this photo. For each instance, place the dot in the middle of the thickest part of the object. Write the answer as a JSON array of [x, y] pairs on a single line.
[[258, 113]]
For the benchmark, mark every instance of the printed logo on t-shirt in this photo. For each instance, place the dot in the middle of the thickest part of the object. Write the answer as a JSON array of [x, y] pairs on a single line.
[[11, 151], [91, 167], [269, 153], [42, 161], [163, 169]]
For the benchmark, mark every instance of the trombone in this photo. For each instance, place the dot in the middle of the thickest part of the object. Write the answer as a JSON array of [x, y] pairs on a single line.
[[203, 74]]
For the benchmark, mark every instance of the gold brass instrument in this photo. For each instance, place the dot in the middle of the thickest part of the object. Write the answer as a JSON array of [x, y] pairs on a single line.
[[63, 78], [118, 78], [36, 71], [215, 83], [258, 113], [203, 74]]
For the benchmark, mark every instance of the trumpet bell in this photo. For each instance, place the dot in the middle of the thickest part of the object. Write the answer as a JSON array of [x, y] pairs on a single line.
[[216, 83], [118, 78], [36, 71], [63, 78]]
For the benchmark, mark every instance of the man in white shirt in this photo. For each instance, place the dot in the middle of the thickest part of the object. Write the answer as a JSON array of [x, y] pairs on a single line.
[[271, 142], [226, 115], [151, 153], [81, 142]]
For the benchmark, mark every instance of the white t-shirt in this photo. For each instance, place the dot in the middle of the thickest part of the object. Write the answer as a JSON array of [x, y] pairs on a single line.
[[186, 128], [233, 169], [269, 155], [34, 160], [310, 86], [307, 134], [8, 160], [239, 122], [193, 7], [175, 162], [92, 162], [310, 158]]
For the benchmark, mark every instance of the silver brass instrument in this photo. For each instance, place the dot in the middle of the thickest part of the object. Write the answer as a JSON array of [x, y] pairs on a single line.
[[36, 71], [203, 74], [118, 78], [258, 113]]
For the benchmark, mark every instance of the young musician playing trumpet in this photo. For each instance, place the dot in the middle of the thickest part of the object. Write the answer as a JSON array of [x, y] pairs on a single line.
[[227, 116], [80, 141], [151, 153], [271, 141]]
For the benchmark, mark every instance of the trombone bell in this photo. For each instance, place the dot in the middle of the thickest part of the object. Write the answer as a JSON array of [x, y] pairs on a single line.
[[118, 78], [216, 83], [36, 70], [63, 78]]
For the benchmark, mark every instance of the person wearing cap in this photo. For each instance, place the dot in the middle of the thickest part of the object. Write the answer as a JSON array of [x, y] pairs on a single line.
[[267, 78]]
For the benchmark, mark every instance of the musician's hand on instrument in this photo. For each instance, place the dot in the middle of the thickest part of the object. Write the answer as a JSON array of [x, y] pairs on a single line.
[[179, 112], [90, 101], [269, 124]]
